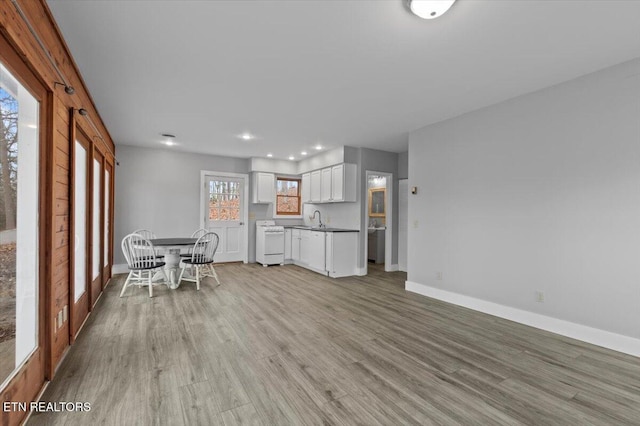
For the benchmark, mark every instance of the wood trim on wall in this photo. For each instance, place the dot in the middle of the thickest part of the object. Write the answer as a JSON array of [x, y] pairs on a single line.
[[29, 379], [32, 64]]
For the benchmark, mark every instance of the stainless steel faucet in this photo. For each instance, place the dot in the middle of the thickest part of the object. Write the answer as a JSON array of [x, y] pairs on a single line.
[[319, 218]]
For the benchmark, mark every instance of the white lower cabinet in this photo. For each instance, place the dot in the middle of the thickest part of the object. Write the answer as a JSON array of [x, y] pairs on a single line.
[[287, 245], [316, 246], [304, 246], [341, 254], [295, 245], [328, 253]]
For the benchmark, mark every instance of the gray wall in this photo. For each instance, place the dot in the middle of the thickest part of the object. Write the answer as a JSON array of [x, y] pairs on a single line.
[[159, 189], [403, 165], [539, 193]]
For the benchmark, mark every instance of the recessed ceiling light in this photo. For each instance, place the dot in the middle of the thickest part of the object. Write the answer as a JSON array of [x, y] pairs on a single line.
[[291, 157], [269, 155], [430, 9], [170, 143], [246, 136], [318, 147], [304, 153]]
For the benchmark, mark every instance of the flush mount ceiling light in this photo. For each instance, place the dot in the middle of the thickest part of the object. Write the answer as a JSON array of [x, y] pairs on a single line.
[[170, 138], [318, 147], [303, 153], [430, 9], [269, 155], [291, 157], [246, 136]]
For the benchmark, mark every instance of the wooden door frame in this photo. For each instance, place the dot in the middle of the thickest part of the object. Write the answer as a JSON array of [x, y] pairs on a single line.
[[96, 286], [25, 382], [106, 270], [78, 312]]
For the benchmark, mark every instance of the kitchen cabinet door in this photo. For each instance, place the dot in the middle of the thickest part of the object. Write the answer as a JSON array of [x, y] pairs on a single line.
[[305, 247], [317, 250], [337, 182], [295, 245], [315, 186], [343, 182], [325, 185], [306, 188], [264, 188], [287, 244]]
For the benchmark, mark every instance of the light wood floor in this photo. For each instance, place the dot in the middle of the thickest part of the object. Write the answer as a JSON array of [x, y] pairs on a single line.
[[282, 345]]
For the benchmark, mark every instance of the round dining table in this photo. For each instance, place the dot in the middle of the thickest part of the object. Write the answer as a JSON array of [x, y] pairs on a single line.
[[171, 249]]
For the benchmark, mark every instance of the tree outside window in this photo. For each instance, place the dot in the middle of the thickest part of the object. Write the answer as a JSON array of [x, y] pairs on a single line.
[[288, 198]]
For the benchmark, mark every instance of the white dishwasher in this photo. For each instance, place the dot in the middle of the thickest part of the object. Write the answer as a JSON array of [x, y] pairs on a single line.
[[269, 243]]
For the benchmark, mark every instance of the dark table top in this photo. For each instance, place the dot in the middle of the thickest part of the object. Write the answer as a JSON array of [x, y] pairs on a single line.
[[173, 241]]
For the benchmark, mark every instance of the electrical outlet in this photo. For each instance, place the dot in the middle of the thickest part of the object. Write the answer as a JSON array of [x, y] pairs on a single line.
[[328, 220], [539, 296], [439, 276], [59, 319]]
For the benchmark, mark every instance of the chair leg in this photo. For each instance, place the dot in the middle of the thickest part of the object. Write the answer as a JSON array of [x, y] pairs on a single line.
[[126, 283], [198, 277], [214, 274], [184, 267], [150, 285], [166, 278]]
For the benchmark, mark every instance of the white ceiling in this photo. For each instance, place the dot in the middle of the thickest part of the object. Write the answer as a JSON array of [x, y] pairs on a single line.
[[297, 73]]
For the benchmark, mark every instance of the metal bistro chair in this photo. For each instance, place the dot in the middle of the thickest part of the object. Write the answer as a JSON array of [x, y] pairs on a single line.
[[197, 234], [201, 259], [142, 262]]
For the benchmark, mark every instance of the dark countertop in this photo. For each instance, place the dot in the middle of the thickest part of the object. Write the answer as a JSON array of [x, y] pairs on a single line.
[[308, 228]]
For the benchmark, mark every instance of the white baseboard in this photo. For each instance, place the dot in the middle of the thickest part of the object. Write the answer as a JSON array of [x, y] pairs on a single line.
[[606, 339], [392, 268], [361, 272], [120, 268]]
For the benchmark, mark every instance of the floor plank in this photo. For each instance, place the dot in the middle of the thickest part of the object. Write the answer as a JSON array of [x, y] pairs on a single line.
[[286, 346]]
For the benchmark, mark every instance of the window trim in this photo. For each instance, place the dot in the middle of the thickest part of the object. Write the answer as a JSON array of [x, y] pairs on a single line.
[[297, 214]]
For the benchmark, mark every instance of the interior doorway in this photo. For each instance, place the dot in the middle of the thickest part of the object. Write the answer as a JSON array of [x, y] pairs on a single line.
[[378, 242]]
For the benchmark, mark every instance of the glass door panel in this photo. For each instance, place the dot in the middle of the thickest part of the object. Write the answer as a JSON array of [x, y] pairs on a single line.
[[96, 227], [80, 231], [80, 221], [106, 232], [19, 224]]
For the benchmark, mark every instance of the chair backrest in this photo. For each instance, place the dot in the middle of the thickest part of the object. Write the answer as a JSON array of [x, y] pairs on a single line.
[[199, 233], [138, 251], [206, 246], [145, 233]]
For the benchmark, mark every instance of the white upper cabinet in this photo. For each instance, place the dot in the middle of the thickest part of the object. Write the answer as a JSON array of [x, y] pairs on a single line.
[[325, 186], [306, 188], [315, 187], [343, 182], [264, 185], [330, 185]]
